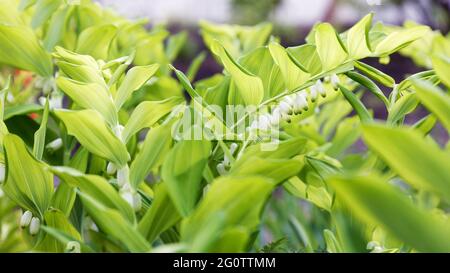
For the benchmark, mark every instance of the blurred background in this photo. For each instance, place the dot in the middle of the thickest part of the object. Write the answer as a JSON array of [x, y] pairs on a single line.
[[292, 20]]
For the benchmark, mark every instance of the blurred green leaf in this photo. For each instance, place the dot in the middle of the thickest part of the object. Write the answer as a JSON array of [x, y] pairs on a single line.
[[374, 200], [419, 162]]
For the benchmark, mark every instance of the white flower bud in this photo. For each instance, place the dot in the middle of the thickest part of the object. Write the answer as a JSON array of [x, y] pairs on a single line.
[[111, 168], [221, 169], [128, 197], [73, 247], [10, 98], [2, 172], [301, 101], [335, 81], [313, 93], [233, 147], [35, 225], [118, 131], [123, 176], [320, 88], [285, 108], [55, 144], [26, 219]]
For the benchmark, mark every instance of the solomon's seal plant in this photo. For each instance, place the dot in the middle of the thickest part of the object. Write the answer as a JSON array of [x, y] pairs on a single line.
[[107, 147]]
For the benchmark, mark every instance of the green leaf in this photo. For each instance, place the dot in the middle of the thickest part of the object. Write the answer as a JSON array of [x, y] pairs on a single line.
[[57, 220], [277, 169], [358, 44], [162, 214], [64, 198], [435, 100], [230, 202], [96, 187], [174, 44], [19, 47], [329, 47], [260, 63], [153, 152], [370, 85], [307, 56], [113, 223], [90, 96], [28, 183], [442, 67], [134, 79], [82, 73], [333, 245], [250, 87], [147, 114], [95, 41], [195, 66], [57, 26], [419, 162], [39, 136], [356, 103], [182, 171], [375, 201], [286, 149], [293, 75], [403, 106], [65, 239], [92, 132], [375, 74], [21, 109], [43, 11], [399, 39]]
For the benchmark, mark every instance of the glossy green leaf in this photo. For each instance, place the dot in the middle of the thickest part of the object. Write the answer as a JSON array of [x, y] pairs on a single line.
[[182, 171], [90, 96], [92, 132], [403, 106], [396, 40], [375, 74], [370, 85], [250, 86], [358, 44], [401, 148], [96, 187], [147, 114], [28, 183], [134, 79], [329, 47], [293, 75]]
